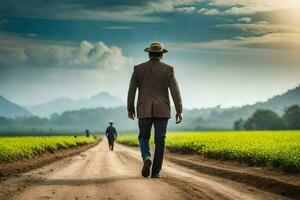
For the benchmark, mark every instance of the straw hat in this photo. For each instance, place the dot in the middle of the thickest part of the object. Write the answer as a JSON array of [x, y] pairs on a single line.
[[156, 47]]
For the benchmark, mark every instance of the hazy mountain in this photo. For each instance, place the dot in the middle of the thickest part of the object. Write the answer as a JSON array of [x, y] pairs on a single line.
[[280, 102], [10, 109], [61, 105], [98, 118], [224, 118]]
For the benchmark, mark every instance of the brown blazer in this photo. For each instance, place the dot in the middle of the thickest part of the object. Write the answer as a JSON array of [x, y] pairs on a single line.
[[153, 79]]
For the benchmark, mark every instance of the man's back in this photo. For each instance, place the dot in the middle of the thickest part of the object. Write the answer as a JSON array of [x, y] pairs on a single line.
[[111, 132], [153, 79]]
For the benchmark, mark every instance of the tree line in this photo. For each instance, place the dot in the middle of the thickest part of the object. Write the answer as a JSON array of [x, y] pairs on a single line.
[[264, 119], [97, 119]]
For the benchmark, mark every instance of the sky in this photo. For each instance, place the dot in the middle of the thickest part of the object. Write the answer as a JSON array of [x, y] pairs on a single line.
[[224, 52]]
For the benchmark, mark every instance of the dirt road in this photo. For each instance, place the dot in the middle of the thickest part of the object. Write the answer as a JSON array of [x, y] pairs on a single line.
[[101, 174]]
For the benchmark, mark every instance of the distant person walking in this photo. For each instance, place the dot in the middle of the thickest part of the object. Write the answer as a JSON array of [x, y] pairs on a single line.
[[153, 79], [111, 134], [87, 132]]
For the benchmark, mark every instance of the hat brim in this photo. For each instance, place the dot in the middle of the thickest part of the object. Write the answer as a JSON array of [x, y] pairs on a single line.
[[149, 50]]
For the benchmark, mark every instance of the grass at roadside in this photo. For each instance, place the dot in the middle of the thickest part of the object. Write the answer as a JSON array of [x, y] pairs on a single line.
[[16, 148], [276, 149]]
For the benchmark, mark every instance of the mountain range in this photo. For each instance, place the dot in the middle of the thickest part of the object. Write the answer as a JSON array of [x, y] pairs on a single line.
[[10, 109], [95, 112], [61, 105]]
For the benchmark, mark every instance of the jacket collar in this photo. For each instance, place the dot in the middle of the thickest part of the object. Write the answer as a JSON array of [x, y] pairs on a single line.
[[155, 59]]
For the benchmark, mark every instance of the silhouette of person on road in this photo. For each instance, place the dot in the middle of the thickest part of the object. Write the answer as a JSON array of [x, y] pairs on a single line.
[[153, 79], [111, 134], [87, 132]]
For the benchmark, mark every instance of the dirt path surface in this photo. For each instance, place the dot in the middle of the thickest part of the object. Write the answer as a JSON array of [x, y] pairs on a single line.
[[101, 174]]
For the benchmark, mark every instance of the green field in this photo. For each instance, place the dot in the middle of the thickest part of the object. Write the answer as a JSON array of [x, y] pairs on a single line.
[[275, 149], [15, 148]]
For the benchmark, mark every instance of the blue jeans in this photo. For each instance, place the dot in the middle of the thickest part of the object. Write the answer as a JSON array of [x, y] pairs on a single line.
[[160, 129]]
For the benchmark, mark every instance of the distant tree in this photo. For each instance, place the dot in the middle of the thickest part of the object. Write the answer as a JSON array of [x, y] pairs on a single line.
[[6, 121], [238, 125], [265, 120], [292, 116]]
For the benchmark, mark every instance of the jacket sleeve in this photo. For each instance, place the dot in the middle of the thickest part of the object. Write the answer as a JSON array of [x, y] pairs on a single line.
[[131, 92], [175, 93]]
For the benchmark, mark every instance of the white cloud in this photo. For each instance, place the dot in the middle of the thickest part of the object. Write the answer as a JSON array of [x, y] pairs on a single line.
[[143, 11], [190, 9], [136, 14], [226, 2], [245, 10], [32, 35], [99, 55], [262, 28], [168, 5], [272, 4], [235, 7], [249, 7], [206, 11], [118, 27], [273, 42], [17, 51], [12, 55], [245, 20], [137, 11], [35, 71], [262, 22]]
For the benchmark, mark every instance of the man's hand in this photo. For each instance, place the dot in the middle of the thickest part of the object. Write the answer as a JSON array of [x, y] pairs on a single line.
[[178, 118], [131, 115]]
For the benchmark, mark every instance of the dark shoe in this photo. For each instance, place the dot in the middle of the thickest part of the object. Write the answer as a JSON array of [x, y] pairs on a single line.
[[155, 176], [146, 167]]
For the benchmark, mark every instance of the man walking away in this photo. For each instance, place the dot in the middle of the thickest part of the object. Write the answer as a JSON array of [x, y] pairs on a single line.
[[153, 79], [111, 134]]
